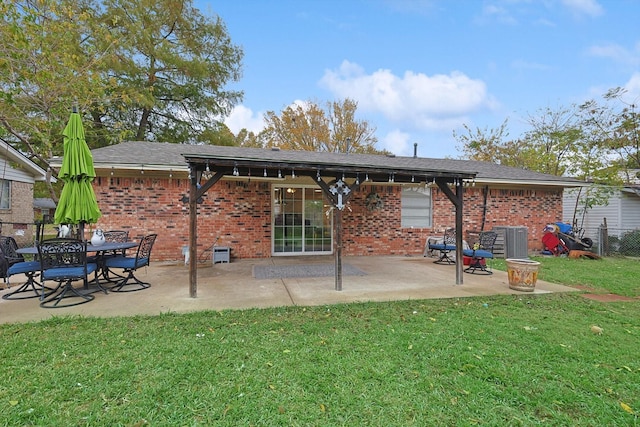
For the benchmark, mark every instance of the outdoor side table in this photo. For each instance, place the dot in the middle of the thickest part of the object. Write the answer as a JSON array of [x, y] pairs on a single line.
[[221, 254]]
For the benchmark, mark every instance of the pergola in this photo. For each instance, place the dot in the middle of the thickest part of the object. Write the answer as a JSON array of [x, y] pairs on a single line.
[[337, 174]]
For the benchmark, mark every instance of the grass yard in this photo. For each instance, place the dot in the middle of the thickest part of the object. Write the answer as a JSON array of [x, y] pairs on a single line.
[[520, 360], [618, 275]]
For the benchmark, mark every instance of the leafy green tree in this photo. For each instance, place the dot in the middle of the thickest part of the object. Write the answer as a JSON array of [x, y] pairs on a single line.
[[171, 66], [153, 70], [310, 127], [625, 132], [578, 141], [46, 67], [486, 145]]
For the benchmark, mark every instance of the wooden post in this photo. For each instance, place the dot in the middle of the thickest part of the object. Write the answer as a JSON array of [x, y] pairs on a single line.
[[196, 193], [193, 235], [337, 224], [338, 199], [456, 199], [459, 231]]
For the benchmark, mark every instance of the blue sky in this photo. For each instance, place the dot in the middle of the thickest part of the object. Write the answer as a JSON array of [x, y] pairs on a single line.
[[420, 69]]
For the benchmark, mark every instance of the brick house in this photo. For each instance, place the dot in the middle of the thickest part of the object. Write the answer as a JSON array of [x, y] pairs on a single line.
[[277, 210], [18, 175]]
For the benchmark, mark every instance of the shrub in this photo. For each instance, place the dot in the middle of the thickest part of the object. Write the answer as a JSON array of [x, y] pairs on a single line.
[[630, 243]]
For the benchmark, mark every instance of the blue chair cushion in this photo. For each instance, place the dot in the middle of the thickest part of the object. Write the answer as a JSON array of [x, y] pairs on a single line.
[[480, 253], [61, 273], [24, 267], [126, 262], [442, 247]]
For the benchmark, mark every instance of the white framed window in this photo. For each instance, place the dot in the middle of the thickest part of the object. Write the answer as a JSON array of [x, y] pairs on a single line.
[[5, 194], [416, 207]]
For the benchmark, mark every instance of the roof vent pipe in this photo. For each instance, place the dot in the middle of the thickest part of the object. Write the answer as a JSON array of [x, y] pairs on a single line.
[[415, 149]]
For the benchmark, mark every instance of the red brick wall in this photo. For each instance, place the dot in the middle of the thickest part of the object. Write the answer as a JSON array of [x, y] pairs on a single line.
[[238, 213], [17, 221], [379, 232]]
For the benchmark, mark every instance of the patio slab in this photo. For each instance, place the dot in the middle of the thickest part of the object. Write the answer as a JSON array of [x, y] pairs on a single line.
[[232, 286]]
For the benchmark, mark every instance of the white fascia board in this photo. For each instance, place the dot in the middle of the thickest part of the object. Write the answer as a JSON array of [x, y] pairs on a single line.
[[536, 183]]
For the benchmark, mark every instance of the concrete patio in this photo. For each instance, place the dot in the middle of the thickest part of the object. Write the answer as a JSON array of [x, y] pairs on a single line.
[[233, 286]]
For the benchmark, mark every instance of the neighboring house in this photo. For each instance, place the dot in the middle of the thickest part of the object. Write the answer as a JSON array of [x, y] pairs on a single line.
[[622, 211], [279, 210], [44, 209], [17, 176]]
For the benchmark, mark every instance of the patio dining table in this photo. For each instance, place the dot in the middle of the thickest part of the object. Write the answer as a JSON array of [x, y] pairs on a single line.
[[100, 250]]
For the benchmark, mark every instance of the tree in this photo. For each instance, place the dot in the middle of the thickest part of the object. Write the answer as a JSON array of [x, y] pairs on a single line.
[[486, 145], [46, 67], [625, 132], [172, 65], [308, 127], [564, 142], [152, 70]]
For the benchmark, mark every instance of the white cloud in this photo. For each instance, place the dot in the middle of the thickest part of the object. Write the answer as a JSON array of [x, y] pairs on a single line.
[[495, 13], [617, 53], [396, 141], [414, 100], [633, 88], [243, 118], [584, 7]]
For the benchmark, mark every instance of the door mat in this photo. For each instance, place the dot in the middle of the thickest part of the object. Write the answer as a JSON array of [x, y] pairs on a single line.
[[305, 270]]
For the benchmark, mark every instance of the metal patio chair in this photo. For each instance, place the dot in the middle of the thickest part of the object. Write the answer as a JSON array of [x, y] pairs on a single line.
[[18, 265], [64, 260], [481, 251], [445, 247], [129, 264], [111, 236]]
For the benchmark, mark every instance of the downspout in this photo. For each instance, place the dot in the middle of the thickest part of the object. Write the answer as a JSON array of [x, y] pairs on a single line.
[[484, 207]]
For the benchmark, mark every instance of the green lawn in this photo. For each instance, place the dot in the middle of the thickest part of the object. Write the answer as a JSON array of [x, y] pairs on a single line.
[[616, 275], [519, 360]]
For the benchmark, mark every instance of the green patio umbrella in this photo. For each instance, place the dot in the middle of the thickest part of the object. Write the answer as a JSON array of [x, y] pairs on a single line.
[[77, 204]]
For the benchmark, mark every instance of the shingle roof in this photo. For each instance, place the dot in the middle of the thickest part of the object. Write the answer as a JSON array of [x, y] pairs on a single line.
[[165, 156], [43, 203]]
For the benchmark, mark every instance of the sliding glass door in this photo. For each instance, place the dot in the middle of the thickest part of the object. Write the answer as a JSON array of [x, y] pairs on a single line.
[[300, 221]]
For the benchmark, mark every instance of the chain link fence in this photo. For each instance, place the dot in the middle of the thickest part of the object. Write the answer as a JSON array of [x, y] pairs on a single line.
[[609, 241]]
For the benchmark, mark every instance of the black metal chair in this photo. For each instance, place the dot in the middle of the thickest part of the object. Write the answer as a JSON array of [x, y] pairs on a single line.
[[64, 260], [118, 236], [481, 251], [447, 245], [111, 236], [129, 264], [16, 264]]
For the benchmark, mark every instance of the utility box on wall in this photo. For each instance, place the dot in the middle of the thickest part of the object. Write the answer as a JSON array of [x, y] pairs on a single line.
[[221, 254], [512, 242]]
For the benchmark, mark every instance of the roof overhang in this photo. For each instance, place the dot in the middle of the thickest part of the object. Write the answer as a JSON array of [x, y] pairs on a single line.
[[277, 163], [30, 167]]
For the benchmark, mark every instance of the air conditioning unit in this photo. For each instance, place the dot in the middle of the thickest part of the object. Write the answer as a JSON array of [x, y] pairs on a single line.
[[512, 242]]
